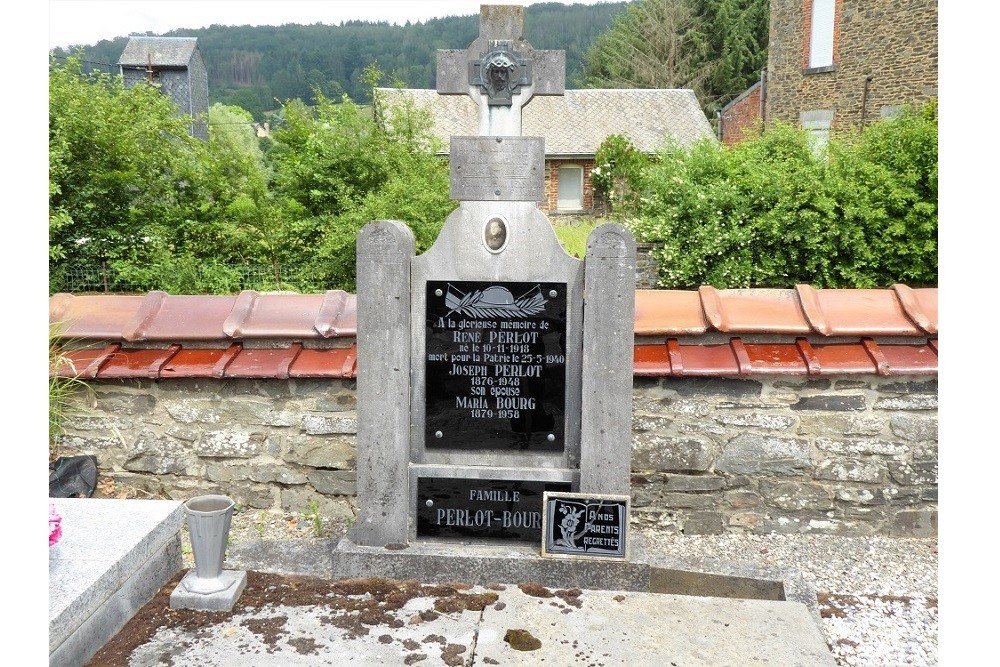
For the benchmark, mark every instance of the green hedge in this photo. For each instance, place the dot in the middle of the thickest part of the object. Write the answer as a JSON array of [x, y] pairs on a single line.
[[774, 211]]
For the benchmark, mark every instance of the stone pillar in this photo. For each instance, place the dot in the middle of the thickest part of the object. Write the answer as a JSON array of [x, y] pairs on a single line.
[[608, 335], [385, 249]]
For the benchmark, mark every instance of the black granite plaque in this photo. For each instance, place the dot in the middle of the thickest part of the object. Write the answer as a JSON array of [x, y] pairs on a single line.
[[496, 366], [488, 509], [585, 526]]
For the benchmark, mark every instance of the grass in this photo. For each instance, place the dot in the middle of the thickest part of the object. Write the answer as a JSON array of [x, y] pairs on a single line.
[[574, 237], [68, 395], [314, 518]]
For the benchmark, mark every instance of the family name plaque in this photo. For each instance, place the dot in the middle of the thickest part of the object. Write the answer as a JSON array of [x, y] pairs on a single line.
[[508, 510], [585, 526], [496, 365]]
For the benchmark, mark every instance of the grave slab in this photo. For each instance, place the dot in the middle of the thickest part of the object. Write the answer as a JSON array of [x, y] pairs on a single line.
[[647, 630], [97, 585]]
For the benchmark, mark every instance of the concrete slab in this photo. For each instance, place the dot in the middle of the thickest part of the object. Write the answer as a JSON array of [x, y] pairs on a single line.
[[645, 572], [436, 562], [320, 635], [522, 625], [648, 630]]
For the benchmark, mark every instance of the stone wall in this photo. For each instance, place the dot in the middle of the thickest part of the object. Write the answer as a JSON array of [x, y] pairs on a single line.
[[268, 444], [850, 456], [647, 267], [844, 456], [894, 42]]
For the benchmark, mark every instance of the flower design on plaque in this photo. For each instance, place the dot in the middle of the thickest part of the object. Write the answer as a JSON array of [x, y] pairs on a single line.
[[585, 526], [496, 365]]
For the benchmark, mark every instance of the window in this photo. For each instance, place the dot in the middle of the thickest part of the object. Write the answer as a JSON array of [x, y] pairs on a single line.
[[817, 124], [570, 196], [821, 33]]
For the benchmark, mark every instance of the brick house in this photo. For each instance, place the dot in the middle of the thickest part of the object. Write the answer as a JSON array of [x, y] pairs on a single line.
[[176, 65], [574, 125], [843, 63], [742, 114]]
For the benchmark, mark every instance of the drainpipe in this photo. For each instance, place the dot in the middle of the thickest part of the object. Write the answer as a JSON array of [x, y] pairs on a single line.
[[864, 99], [763, 96]]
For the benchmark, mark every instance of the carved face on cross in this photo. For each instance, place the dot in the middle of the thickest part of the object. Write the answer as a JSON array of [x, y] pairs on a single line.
[[500, 75], [500, 70]]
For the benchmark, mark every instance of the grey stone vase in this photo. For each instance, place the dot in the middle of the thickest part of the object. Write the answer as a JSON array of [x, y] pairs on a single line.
[[209, 518]]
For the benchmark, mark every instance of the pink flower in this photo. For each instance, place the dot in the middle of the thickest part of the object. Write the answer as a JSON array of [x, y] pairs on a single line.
[[55, 525]]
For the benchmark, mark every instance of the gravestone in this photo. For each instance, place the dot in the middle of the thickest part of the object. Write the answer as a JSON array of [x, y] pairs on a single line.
[[494, 367]]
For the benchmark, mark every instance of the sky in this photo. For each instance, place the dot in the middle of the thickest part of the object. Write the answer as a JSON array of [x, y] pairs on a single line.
[[76, 22]]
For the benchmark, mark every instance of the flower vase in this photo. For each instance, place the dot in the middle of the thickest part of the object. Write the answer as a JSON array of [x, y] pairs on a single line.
[[209, 519]]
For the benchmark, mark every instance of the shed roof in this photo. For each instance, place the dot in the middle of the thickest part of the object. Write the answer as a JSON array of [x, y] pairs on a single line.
[[575, 124], [162, 51]]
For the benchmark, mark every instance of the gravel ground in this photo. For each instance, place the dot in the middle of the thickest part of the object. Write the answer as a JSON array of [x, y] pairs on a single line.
[[878, 596]]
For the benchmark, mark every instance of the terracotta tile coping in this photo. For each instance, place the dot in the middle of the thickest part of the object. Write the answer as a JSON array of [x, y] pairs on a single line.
[[678, 333], [669, 359], [158, 316]]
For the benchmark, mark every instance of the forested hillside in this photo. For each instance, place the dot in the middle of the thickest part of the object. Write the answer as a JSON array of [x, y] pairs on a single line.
[[252, 67]]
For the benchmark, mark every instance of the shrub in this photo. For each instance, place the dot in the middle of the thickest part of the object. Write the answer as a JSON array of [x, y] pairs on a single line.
[[618, 171], [771, 212]]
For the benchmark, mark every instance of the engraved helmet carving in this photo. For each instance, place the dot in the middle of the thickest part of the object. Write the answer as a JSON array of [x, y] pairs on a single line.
[[497, 296]]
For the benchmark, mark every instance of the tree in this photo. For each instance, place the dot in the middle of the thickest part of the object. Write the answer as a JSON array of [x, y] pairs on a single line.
[[771, 212], [654, 44], [338, 166], [714, 47], [133, 195], [735, 34], [122, 164]]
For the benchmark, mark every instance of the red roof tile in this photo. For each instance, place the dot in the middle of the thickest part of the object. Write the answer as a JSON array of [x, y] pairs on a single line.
[[137, 363], [754, 310], [264, 363], [92, 317], [911, 359], [768, 332], [200, 363], [871, 312], [294, 316], [166, 318], [668, 312], [84, 363], [775, 359], [330, 363]]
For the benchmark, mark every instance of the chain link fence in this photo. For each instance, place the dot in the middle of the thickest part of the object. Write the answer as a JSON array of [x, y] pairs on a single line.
[[200, 279]]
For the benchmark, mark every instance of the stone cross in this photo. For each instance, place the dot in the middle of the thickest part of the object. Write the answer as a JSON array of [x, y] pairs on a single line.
[[500, 70]]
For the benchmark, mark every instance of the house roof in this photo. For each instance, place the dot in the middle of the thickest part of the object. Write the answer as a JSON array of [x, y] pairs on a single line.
[[705, 332], [161, 51], [575, 124]]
